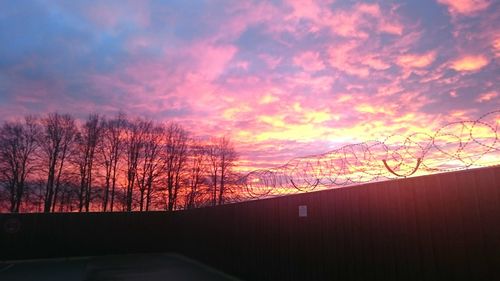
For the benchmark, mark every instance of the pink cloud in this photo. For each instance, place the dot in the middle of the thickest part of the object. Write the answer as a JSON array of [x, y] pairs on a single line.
[[344, 58], [304, 9], [369, 9], [465, 7], [347, 24], [211, 60], [389, 89], [375, 63], [355, 22], [241, 65], [416, 60], [256, 95], [391, 27], [271, 61], [309, 61], [496, 47], [317, 84], [178, 81], [245, 14], [487, 97]]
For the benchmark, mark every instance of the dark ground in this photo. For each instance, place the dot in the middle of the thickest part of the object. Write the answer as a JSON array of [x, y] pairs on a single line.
[[143, 267]]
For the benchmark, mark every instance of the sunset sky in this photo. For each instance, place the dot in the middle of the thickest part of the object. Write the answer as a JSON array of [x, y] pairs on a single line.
[[281, 78]]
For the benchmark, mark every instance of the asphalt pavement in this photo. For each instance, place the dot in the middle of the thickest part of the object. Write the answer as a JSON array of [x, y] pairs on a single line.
[[141, 267]]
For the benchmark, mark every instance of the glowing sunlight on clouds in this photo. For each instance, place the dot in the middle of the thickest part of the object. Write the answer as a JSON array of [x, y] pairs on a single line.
[[469, 63], [487, 97], [466, 7], [282, 78], [417, 60]]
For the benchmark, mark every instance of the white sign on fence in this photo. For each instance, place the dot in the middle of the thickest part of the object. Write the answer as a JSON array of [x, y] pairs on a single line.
[[302, 211]]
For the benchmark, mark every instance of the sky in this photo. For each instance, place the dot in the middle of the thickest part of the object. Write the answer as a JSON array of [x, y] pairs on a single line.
[[281, 78]]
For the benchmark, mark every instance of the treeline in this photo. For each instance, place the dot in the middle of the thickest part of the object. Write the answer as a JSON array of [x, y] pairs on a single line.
[[54, 163]]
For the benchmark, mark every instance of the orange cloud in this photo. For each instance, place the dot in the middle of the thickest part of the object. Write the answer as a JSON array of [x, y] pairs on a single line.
[[465, 7], [469, 63], [486, 97], [416, 60]]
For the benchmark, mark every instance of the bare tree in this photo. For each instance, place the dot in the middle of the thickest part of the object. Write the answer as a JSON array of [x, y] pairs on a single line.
[[214, 169], [151, 163], [87, 141], [196, 172], [111, 149], [222, 156], [144, 165], [18, 142], [175, 156], [227, 157], [57, 138], [155, 163], [134, 146], [69, 195], [35, 194]]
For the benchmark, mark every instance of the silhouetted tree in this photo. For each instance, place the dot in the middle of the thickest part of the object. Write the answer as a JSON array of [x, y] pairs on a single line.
[[18, 143], [111, 149], [174, 156], [221, 155], [56, 140], [196, 173], [134, 146], [214, 169], [54, 164], [227, 158], [151, 163], [87, 141]]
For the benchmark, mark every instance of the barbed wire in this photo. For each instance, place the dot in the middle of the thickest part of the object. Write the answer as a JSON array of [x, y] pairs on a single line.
[[454, 146]]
